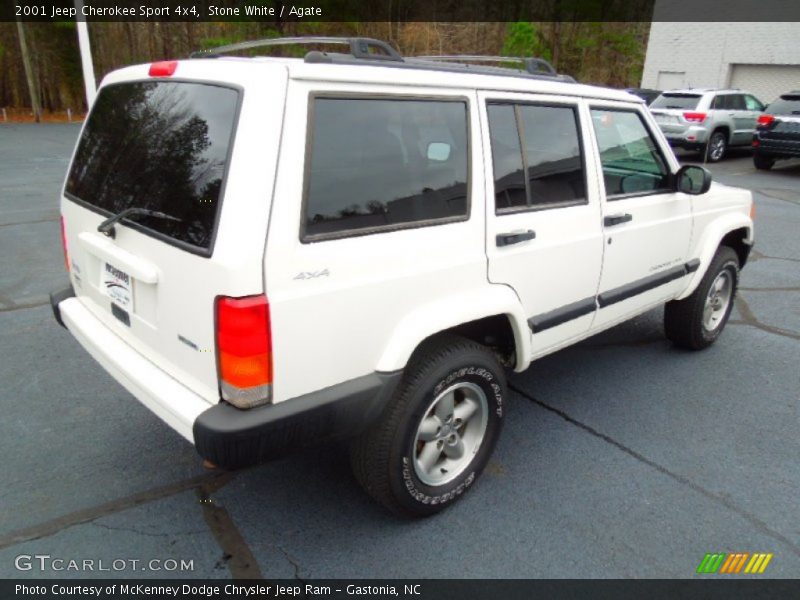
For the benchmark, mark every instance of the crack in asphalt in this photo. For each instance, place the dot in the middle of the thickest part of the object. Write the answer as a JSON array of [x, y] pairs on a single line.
[[749, 318], [236, 553], [756, 255], [13, 306], [292, 561], [88, 515], [146, 533], [770, 289], [718, 498]]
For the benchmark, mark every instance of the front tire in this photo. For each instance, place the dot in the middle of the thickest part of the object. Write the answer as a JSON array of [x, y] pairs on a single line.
[[698, 320], [763, 163], [438, 432], [717, 146]]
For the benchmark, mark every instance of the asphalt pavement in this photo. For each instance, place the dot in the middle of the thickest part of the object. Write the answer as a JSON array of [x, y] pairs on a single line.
[[621, 457]]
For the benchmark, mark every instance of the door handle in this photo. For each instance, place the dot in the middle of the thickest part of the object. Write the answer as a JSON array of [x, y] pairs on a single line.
[[612, 220], [506, 239]]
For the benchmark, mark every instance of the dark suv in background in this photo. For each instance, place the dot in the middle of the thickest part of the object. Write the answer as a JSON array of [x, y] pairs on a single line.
[[778, 133]]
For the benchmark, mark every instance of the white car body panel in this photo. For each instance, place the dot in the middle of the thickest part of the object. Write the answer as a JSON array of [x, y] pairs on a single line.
[[346, 308]]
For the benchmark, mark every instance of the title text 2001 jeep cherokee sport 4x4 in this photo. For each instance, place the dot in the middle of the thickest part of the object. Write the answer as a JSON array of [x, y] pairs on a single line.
[[269, 252]]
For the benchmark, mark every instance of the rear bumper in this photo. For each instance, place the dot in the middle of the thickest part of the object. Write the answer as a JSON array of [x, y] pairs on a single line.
[[172, 402], [690, 138], [233, 438], [227, 436], [778, 148]]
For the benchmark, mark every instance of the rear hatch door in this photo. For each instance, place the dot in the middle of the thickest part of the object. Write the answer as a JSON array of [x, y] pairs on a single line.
[[669, 108], [196, 150]]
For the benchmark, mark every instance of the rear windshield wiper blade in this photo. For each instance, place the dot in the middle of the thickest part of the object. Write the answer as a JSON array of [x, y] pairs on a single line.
[[107, 226]]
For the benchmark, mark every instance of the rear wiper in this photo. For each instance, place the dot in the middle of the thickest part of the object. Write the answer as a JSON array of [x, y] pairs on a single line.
[[107, 226]]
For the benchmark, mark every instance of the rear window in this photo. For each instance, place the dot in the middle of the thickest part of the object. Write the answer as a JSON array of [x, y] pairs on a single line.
[[378, 164], [788, 104], [679, 101], [160, 145]]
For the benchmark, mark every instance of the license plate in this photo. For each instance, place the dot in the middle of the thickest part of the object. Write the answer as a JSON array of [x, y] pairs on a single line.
[[118, 286], [665, 119]]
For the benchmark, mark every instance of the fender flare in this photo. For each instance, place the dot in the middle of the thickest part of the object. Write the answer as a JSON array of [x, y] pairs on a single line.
[[444, 313], [710, 241]]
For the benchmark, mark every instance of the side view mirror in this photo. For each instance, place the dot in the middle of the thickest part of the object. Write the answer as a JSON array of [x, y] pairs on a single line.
[[692, 179], [438, 151]]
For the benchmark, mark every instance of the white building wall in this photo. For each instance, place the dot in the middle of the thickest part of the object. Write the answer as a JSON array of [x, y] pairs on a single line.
[[705, 52]]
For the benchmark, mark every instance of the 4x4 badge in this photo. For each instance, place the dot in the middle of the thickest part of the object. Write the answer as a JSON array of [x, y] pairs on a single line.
[[312, 274]]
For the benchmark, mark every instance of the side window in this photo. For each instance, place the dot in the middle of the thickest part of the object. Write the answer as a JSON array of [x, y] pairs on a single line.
[[553, 154], [753, 103], [718, 103], [385, 163], [737, 102], [537, 156], [509, 177], [632, 162]]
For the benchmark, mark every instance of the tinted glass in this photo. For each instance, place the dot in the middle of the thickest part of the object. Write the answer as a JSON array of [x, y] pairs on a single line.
[[630, 157], [509, 181], [785, 105], [383, 163], [553, 154], [158, 145], [680, 101], [736, 102]]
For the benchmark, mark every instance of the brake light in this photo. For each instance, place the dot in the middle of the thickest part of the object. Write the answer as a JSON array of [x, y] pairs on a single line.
[[164, 68], [244, 350], [695, 117], [64, 244], [765, 119]]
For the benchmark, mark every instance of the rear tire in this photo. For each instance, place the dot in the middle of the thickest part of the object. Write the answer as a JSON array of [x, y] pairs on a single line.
[[436, 435], [698, 320], [717, 146], [763, 163]]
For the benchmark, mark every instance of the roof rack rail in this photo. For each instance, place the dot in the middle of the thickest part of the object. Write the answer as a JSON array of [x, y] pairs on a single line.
[[533, 65], [359, 47]]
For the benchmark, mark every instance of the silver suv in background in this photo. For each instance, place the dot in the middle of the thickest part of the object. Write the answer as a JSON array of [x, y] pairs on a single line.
[[707, 120]]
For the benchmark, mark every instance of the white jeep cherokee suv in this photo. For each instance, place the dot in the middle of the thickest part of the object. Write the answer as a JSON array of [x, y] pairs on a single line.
[[273, 252]]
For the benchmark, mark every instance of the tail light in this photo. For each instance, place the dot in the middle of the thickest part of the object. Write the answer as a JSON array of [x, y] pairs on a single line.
[[164, 68], [756, 142], [695, 117], [765, 120], [752, 210], [64, 244], [244, 350]]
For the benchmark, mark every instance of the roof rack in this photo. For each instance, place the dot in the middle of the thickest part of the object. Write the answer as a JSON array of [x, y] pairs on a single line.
[[359, 47], [361, 54], [533, 65]]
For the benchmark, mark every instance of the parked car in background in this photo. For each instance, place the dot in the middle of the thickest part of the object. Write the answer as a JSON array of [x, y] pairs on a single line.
[[647, 95], [778, 133], [707, 120]]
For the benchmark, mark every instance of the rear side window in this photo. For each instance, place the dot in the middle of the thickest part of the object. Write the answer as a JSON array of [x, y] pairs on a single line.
[[537, 156], [632, 163], [753, 103], [387, 163], [160, 145], [788, 104], [679, 101]]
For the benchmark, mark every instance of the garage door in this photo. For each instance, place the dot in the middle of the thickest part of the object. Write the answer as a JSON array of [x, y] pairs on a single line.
[[670, 80], [767, 82]]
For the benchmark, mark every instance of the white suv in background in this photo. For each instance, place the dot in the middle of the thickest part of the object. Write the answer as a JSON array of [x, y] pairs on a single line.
[[707, 120], [274, 252]]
